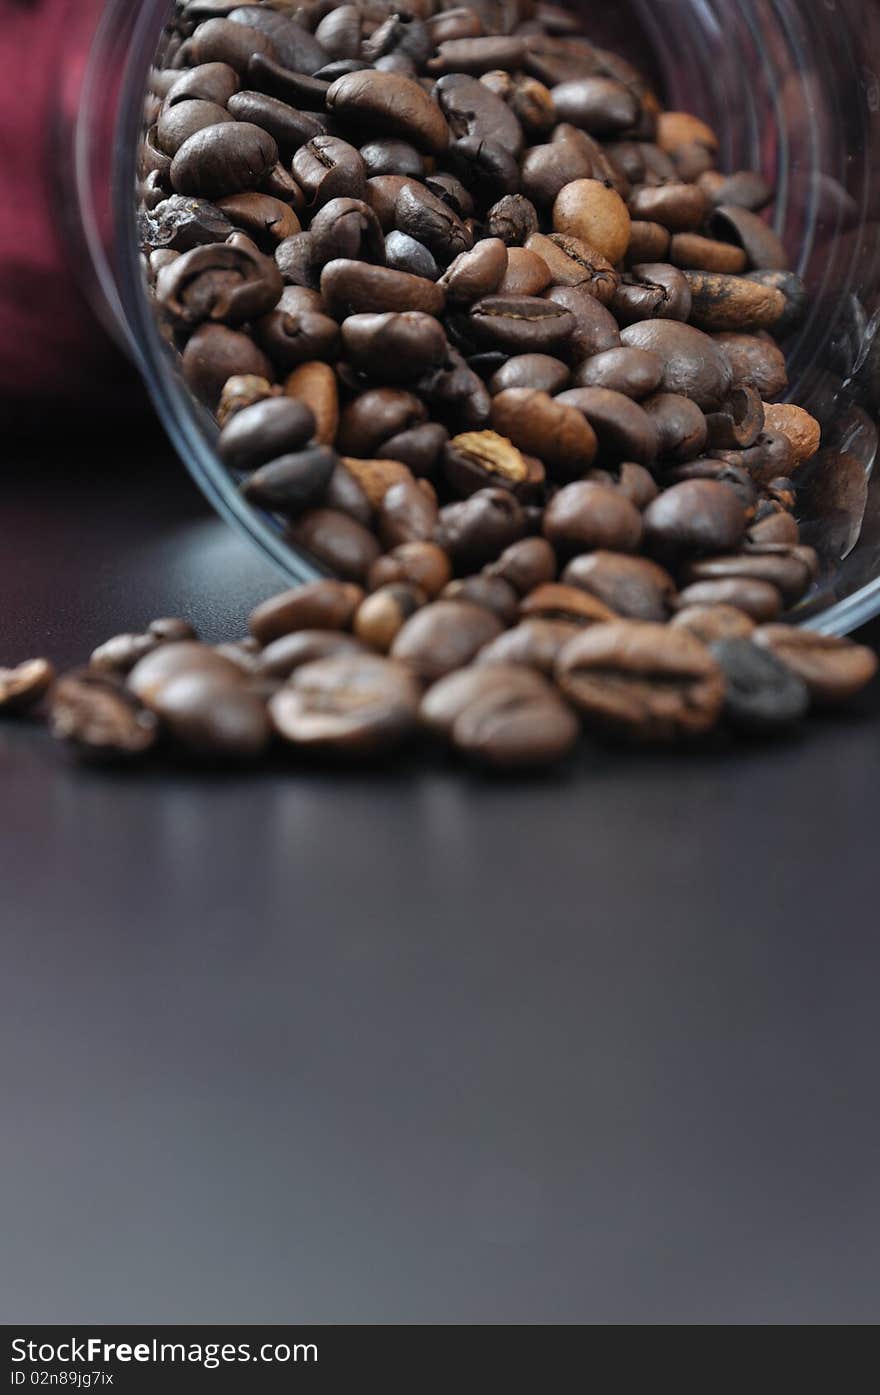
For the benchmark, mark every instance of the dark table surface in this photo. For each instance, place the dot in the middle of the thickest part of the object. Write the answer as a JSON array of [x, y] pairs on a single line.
[[415, 1045]]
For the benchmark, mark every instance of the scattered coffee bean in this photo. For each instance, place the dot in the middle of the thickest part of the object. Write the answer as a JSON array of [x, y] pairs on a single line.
[[502, 716], [353, 705], [834, 669], [24, 687], [100, 718]]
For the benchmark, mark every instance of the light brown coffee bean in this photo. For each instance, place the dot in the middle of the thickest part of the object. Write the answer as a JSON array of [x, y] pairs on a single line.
[[421, 564], [24, 687], [545, 427], [833, 668], [598, 215]]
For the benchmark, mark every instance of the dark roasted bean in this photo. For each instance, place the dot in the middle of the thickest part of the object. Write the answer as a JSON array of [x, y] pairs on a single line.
[[502, 716], [351, 288], [538, 371], [477, 530], [633, 372], [443, 636], [321, 605], [693, 365], [834, 669], [490, 592], [389, 105], [336, 541], [761, 693], [569, 604], [633, 587], [623, 428], [693, 518], [584, 516], [533, 643], [352, 705], [223, 159], [292, 482]]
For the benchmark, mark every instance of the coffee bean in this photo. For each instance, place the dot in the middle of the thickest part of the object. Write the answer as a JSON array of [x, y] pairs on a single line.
[[209, 82], [536, 422], [177, 123], [526, 274], [339, 32], [421, 564], [681, 427], [354, 705], [834, 669], [759, 599], [538, 371], [97, 715], [693, 365], [240, 391], [801, 430], [170, 629], [713, 622], [476, 273], [624, 430], [120, 654], [444, 636], [596, 104], [502, 716], [289, 127], [384, 613], [389, 104], [789, 569], [478, 55], [424, 216], [400, 345], [292, 482], [336, 542], [584, 516], [595, 328], [292, 336], [744, 228], [153, 672], [320, 605], [299, 89], [212, 718], [456, 394], [327, 168], [519, 324], [678, 128], [588, 209], [652, 291], [290, 652], [214, 354], [633, 372], [264, 431], [533, 643], [314, 385], [733, 303], [296, 48], [547, 169], [632, 587], [23, 687], [297, 261], [180, 223], [267, 220], [525, 564], [351, 288], [347, 229], [568, 604], [744, 189], [644, 681], [695, 517], [224, 159], [222, 283], [635, 483], [513, 218], [755, 362], [572, 262], [678, 207], [648, 242], [697, 253], [408, 513], [220, 41], [484, 459], [761, 693]]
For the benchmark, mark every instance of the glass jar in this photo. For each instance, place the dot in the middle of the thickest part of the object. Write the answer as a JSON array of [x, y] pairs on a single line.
[[791, 88]]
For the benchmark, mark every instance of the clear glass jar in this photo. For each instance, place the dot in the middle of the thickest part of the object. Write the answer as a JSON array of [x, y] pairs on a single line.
[[792, 87]]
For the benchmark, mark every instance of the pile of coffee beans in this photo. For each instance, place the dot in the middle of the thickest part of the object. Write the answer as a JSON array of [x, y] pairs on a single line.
[[486, 332], [505, 667]]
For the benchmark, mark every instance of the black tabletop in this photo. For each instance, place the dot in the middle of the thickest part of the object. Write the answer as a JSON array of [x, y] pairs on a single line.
[[417, 1045]]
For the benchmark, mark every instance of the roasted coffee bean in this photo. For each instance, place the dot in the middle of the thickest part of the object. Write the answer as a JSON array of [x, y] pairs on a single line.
[[733, 303], [177, 123], [424, 565], [525, 564], [389, 156], [292, 336], [520, 324], [790, 569], [352, 705], [181, 223], [596, 104], [401, 34], [224, 159], [693, 365], [390, 105], [211, 718], [240, 391], [339, 32], [744, 189], [502, 716], [834, 669], [756, 361], [644, 681], [547, 169], [383, 614], [208, 82], [513, 218], [708, 468], [801, 430], [351, 288], [680, 424], [120, 654], [215, 353], [633, 372], [292, 482], [490, 592], [572, 262], [320, 605], [526, 273], [624, 430], [424, 216], [477, 530], [773, 524], [759, 599], [328, 168], [403, 253], [595, 329], [267, 220], [300, 90], [757, 239], [296, 48], [220, 41], [485, 167], [795, 295], [478, 55], [693, 518], [289, 127], [24, 687], [583, 516], [97, 715], [408, 513], [168, 661], [536, 422], [648, 242], [401, 346], [538, 371], [484, 459], [713, 622], [421, 448], [345, 494], [678, 207], [443, 636], [346, 229], [314, 384], [223, 283], [588, 209], [632, 587], [462, 22], [532, 643], [335, 541], [296, 259], [265, 431], [569, 604], [451, 191], [375, 416], [475, 273], [456, 394], [284, 655], [739, 421], [761, 693], [652, 291], [697, 253]]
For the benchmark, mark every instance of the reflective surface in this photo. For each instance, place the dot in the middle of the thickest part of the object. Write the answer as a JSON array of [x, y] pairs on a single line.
[[792, 89]]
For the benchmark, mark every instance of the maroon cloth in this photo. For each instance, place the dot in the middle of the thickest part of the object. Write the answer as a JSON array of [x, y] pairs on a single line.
[[51, 345]]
